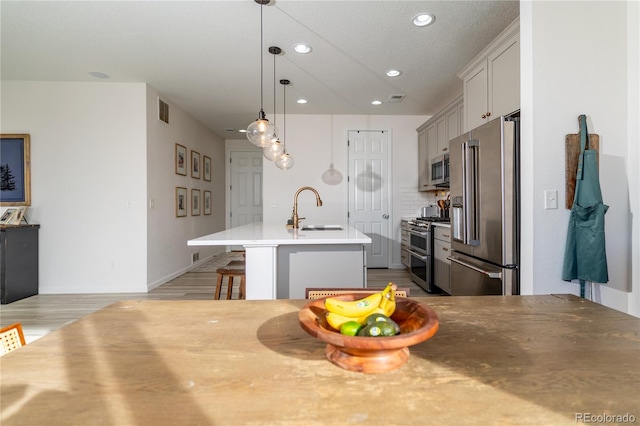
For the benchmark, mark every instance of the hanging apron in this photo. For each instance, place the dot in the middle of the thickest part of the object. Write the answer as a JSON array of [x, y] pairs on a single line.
[[585, 258]]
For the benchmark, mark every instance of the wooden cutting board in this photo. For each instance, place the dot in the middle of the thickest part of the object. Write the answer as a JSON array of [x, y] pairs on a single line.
[[572, 152]]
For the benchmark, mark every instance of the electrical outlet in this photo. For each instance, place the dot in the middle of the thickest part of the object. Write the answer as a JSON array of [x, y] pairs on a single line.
[[195, 257], [551, 199]]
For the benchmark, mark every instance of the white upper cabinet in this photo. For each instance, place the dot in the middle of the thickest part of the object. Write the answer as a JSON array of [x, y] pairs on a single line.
[[492, 80]]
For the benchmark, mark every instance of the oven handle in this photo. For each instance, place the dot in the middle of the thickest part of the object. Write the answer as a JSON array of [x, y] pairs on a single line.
[[490, 274], [417, 233], [418, 255]]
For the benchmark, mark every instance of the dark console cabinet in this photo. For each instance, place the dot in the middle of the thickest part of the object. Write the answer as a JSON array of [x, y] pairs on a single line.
[[18, 262]]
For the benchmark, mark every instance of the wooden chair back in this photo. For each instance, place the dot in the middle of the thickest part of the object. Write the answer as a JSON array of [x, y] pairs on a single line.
[[11, 338], [317, 293]]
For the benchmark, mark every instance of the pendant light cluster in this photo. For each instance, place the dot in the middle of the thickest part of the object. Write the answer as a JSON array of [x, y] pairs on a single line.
[[262, 133]]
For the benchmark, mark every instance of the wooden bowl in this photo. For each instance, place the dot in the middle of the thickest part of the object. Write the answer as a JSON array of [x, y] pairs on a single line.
[[417, 321]]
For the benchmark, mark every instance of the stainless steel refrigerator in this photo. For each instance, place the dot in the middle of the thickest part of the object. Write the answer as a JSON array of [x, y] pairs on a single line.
[[485, 211]]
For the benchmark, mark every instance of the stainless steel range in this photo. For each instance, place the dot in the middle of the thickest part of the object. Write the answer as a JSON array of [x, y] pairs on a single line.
[[421, 250]]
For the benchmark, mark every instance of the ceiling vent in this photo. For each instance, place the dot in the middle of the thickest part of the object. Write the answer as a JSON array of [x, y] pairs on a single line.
[[163, 111], [394, 99]]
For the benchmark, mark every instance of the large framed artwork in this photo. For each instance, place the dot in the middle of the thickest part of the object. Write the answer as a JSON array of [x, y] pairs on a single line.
[[195, 202], [195, 164], [181, 201], [15, 170], [207, 168], [181, 160]]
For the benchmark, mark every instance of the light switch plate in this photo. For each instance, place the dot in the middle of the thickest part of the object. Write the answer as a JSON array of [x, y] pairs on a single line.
[[551, 199]]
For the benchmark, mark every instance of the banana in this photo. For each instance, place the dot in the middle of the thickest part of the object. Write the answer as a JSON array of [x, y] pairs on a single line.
[[355, 308], [388, 303], [336, 320]]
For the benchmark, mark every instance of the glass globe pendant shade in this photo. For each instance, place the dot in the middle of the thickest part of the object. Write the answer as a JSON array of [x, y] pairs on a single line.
[[261, 133], [284, 162], [273, 151], [332, 176]]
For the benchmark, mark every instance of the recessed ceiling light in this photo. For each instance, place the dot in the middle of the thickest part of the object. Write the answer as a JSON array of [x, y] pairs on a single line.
[[393, 73], [376, 102], [302, 101], [98, 74], [423, 19], [242, 131], [302, 48]]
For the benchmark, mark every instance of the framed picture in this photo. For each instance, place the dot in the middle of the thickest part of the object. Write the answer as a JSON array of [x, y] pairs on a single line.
[[195, 202], [181, 201], [181, 160], [207, 168], [207, 202], [195, 164], [16, 218], [6, 216], [15, 170]]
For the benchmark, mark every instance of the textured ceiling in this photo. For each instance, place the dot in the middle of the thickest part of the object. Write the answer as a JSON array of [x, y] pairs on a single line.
[[204, 56]]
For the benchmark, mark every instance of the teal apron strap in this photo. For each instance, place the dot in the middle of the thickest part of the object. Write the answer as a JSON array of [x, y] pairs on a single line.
[[584, 145]]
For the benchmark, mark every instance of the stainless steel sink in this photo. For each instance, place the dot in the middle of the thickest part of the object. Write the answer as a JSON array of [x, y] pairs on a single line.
[[321, 228]]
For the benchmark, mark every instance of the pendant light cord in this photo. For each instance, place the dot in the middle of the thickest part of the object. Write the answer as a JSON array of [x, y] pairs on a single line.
[[261, 67]]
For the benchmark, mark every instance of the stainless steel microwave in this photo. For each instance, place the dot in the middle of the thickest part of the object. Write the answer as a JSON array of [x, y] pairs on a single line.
[[440, 170]]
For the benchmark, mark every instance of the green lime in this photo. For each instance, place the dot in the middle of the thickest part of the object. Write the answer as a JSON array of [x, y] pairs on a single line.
[[350, 328]]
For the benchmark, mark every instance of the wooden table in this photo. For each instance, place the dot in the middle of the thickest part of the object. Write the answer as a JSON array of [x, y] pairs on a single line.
[[514, 360]]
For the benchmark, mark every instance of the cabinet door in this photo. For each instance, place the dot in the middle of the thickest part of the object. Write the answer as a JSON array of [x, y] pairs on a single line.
[[432, 144], [441, 265], [504, 78], [442, 145], [475, 97], [423, 161], [453, 124]]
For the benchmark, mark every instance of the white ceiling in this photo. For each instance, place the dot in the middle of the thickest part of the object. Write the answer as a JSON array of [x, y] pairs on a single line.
[[204, 56]]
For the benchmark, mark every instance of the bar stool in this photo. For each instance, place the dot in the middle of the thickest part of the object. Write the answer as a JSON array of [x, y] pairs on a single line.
[[230, 272]]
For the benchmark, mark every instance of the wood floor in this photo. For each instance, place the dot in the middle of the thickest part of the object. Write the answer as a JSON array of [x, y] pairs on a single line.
[[44, 313]]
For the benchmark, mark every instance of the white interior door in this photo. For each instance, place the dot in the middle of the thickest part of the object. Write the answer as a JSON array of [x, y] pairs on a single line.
[[369, 189], [245, 192]]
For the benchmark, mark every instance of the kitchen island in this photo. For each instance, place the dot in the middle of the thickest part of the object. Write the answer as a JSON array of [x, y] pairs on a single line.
[[496, 360], [281, 262]]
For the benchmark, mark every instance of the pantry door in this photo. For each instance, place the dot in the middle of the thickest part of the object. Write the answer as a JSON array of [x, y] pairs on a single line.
[[369, 189]]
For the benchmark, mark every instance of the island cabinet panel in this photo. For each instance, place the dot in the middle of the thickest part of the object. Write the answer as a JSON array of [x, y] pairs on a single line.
[[18, 262], [300, 267]]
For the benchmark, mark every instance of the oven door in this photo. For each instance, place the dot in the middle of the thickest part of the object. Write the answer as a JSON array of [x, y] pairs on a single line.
[[420, 269], [419, 239]]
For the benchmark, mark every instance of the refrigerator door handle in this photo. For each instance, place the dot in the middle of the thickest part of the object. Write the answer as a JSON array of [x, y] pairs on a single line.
[[470, 191], [490, 274]]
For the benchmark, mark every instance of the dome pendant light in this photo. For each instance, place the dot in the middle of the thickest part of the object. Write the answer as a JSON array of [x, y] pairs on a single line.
[[261, 133], [285, 161], [275, 149]]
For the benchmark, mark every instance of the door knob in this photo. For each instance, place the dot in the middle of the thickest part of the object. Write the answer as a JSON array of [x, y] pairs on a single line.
[[385, 216]]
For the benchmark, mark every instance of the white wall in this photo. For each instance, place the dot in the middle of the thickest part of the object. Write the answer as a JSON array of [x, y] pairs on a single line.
[[571, 67], [312, 154], [168, 255], [99, 155], [88, 181]]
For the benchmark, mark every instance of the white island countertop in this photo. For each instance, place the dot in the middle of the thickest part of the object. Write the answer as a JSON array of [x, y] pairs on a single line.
[[276, 233], [281, 262]]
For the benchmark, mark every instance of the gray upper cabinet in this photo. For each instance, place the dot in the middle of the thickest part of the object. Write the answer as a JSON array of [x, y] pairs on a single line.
[[492, 80], [433, 139]]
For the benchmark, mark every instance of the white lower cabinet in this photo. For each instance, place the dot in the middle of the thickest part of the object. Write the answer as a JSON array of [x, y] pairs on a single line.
[[441, 265]]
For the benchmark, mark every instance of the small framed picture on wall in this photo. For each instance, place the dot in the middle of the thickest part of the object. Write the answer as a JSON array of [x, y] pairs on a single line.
[[181, 160], [207, 168], [181, 201], [195, 164], [195, 202], [207, 202]]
